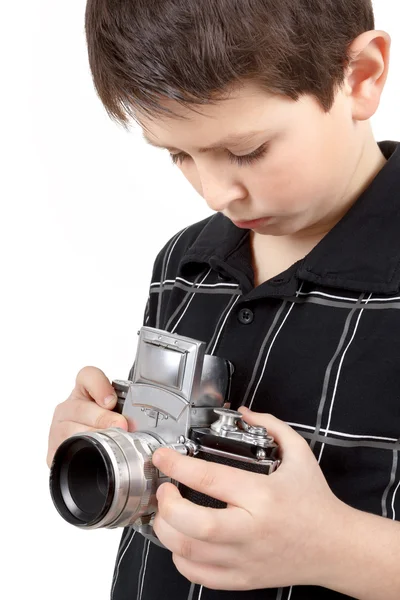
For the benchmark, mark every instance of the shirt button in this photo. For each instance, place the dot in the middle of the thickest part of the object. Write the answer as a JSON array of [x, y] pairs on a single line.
[[246, 316]]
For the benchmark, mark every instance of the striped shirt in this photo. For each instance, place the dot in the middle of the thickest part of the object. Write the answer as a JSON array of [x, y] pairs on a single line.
[[318, 346]]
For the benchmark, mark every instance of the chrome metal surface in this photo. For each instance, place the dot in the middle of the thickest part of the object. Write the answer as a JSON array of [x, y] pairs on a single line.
[[228, 420], [215, 451], [175, 390]]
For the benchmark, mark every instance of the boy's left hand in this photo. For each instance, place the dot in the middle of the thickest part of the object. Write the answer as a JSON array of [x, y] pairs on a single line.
[[276, 531]]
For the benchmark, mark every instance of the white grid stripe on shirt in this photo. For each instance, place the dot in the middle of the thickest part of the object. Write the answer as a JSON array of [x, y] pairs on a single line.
[[338, 376]]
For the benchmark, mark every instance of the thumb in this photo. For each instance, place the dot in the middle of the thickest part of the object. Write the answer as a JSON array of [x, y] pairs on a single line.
[[93, 384], [289, 441]]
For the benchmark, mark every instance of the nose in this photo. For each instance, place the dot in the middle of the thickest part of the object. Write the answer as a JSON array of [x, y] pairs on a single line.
[[219, 189]]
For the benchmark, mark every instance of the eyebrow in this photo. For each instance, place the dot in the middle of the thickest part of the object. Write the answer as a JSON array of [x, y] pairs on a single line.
[[230, 140]]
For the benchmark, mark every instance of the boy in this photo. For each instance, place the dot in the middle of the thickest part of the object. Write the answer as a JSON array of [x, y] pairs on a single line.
[[265, 107]]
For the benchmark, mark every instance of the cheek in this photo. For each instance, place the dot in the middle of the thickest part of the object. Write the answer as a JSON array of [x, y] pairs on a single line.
[[190, 172], [299, 178], [285, 187]]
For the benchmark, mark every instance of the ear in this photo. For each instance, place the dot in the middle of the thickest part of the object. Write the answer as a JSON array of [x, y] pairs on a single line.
[[367, 72]]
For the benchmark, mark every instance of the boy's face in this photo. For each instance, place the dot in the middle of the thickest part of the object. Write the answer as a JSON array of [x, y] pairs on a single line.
[[302, 182]]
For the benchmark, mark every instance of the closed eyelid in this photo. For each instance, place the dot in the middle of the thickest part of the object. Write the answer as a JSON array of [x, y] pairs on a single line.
[[228, 150], [234, 158]]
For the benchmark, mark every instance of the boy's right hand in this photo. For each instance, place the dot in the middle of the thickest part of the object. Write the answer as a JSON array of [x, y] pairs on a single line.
[[85, 409]]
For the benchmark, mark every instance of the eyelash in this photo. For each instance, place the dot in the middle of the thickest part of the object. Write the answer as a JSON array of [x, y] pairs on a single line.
[[247, 159]]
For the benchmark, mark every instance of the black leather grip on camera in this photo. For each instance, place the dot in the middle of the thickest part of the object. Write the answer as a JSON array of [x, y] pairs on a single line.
[[203, 499]]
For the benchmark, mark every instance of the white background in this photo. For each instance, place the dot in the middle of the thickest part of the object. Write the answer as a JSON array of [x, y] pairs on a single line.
[[85, 207]]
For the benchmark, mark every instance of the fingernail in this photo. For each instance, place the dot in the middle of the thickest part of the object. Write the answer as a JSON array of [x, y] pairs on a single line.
[[157, 457], [109, 399]]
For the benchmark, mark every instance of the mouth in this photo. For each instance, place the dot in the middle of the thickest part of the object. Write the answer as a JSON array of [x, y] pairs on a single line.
[[254, 224]]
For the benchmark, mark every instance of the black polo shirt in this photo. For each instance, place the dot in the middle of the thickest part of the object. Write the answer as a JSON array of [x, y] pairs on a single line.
[[318, 346]]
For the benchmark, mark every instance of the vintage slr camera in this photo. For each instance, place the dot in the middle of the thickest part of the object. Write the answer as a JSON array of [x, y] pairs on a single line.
[[106, 478]]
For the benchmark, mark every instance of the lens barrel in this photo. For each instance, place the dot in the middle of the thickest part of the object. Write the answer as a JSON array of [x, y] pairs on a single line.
[[105, 478]]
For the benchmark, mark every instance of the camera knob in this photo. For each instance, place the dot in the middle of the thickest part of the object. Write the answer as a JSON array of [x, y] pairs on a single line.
[[257, 431], [121, 386], [228, 420]]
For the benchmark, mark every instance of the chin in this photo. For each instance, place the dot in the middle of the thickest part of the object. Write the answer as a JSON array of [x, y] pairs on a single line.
[[276, 229]]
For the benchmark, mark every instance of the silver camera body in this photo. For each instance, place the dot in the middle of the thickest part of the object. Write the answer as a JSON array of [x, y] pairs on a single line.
[[175, 399]]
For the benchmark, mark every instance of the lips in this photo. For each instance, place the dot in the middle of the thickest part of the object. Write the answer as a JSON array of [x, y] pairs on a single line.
[[253, 224]]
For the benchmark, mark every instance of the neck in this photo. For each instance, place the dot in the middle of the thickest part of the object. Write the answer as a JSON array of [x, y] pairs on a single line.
[[370, 163]]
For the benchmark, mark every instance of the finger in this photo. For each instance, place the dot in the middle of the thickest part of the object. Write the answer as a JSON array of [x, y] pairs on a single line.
[[93, 384], [209, 576], [217, 526], [65, 431], [90, 414], [195, 550], [234, 486], [290, 442]]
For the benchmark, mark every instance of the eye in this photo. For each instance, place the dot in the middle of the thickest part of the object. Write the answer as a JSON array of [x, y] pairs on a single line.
[[239, 160]]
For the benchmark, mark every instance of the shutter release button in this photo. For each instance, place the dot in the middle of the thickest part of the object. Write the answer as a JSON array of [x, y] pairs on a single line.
[[246, 316]]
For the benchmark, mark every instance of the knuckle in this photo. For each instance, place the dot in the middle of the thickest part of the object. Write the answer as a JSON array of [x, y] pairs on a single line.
[[172, 468], [78, 409], [69, 409], [207, 479], [186, 549], [209, 531], [169, 467], [103, 420], [119, 422]]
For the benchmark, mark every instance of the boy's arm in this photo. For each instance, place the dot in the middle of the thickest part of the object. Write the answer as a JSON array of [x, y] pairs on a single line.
[[365, 557]]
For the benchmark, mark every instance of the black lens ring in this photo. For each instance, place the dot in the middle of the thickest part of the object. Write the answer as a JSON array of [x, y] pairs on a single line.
[[61, 461]]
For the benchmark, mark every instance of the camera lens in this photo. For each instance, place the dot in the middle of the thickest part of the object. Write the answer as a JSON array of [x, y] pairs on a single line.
[[105, 478], [87, 480], [82, 482]]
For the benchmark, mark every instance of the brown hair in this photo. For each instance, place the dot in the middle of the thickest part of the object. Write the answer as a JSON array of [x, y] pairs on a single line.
[[195, 51]]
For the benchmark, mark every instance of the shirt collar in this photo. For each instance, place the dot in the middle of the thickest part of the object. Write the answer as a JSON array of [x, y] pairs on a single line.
[[361, 253]]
